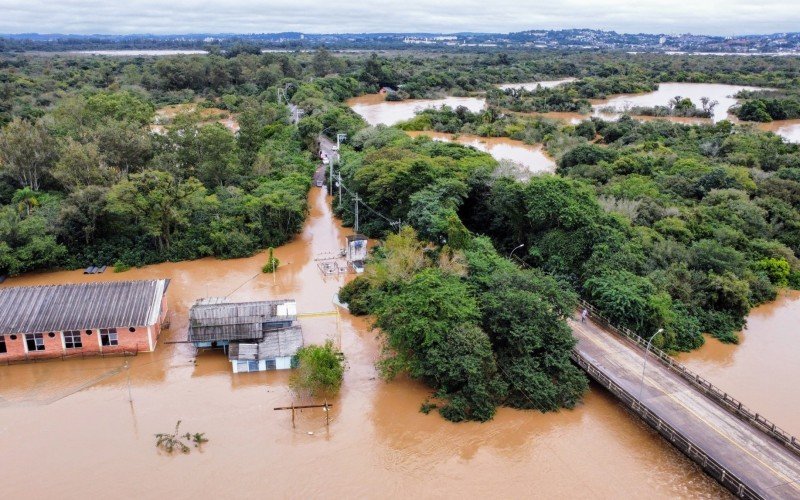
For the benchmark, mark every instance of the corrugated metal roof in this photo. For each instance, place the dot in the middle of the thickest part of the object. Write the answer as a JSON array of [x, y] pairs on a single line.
[[80, 306], [239, 320], [276, 344]]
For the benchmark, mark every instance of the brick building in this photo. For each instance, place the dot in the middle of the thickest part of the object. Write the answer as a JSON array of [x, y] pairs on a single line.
[[122, 317]]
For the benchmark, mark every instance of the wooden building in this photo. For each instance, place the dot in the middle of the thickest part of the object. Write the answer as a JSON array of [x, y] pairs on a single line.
[[121, 317], [257, 336]]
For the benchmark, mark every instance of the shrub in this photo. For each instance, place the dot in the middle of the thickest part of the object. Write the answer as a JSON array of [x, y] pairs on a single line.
[[272, 263], [320, 371]]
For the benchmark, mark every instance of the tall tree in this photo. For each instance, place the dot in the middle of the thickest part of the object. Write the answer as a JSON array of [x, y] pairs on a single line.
[[27, 152]]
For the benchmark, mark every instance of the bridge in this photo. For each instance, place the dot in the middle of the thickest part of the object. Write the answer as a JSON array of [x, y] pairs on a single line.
[[742, 450]]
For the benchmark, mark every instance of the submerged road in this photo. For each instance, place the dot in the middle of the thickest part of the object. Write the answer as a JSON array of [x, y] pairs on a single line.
[[764, 464]]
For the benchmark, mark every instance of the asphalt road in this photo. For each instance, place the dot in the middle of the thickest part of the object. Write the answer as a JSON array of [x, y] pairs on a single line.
[[756, 458]]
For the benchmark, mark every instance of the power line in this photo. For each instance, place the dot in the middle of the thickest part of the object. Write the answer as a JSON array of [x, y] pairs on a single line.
[[359, 200]]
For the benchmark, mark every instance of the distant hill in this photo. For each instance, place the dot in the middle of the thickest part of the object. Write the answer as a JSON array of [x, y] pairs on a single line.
[[585, 39]]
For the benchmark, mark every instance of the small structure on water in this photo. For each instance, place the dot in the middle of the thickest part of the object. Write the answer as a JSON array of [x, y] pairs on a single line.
[[356, 251], [257, 336], [120, 317], [345, 260]]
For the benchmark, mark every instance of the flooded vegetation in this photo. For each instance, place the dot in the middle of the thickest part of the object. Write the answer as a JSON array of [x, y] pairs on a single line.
[[545, 84], [691, 226], [375, 110], [723, 94], [533, 158], [203, 116], [374, 425]]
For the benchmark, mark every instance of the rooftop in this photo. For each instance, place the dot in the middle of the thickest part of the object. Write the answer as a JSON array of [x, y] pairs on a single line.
[[276, 344], [211, 320], [52, 308]]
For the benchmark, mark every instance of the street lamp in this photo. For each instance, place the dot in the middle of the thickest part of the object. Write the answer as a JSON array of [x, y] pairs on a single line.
[[515, 249], [644, 364]]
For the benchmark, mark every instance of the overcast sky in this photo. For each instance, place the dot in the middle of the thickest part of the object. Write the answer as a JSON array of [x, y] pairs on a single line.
[[718, 17]]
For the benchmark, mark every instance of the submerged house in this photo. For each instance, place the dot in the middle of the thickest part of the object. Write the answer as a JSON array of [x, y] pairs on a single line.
[[120, 317], [257, 336]]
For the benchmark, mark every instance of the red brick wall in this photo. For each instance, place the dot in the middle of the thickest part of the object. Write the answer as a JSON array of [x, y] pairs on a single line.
[[134, 341], [15, 348]]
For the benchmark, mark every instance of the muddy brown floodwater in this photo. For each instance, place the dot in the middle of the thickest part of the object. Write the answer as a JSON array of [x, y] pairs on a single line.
[[763, 369], [68, 428], [532, 157], [375, 109]]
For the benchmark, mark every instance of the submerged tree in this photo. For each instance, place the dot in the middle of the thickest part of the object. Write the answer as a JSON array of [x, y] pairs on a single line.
[[320, 371]]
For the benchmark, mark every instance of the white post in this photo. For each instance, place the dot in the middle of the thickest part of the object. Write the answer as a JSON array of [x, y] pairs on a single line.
[[355, 227], [330, 176], [339, 178], [644, 364]]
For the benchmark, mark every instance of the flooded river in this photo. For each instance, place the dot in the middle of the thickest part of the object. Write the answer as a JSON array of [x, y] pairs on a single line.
[[721, 93], [533, 158], [545, 84], [762, 371], [73, 422], [375, 109]]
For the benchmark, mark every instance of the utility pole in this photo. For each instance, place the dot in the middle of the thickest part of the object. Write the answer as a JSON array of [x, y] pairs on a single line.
[[339, 179], [355, 227], [330, 176]]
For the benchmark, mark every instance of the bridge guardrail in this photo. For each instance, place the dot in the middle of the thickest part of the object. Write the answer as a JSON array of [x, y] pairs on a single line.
[[716, 394], [711, 466]]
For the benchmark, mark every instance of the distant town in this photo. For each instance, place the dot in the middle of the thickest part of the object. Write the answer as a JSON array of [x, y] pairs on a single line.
[[581, 39]]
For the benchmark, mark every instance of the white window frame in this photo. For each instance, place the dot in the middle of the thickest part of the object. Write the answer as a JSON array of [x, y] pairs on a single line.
[[72, 334], [108, 332], [35, 339]]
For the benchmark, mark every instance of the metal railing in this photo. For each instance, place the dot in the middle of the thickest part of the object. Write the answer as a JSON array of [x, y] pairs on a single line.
[[713, 468], [714, 393]]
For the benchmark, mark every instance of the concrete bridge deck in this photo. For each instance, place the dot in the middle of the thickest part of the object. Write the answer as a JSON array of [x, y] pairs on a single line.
[[743, 457]]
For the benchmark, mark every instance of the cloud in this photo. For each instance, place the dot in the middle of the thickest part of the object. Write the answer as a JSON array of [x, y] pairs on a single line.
[[719, 17]]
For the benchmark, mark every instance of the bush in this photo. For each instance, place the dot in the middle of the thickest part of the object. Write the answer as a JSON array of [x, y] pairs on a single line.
[[272, 263], [320, 371], [356, 295], [121, 267]]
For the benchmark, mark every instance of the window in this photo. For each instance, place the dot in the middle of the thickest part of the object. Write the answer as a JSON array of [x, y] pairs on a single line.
[[252, 366], [3, 344], [34, 341], [72, 339], [108, 336]]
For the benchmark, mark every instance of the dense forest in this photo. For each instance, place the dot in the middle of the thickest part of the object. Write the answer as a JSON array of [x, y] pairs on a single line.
[[129, 161]]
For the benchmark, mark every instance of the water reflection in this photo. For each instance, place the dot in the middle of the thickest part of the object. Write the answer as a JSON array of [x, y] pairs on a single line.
[[376, 110], [533, 158]]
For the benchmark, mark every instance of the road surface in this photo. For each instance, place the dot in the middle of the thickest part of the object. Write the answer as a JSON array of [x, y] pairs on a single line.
[[757, 459]]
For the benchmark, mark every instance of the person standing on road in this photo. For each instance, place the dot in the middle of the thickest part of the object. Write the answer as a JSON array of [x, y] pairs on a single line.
[[584, 314]]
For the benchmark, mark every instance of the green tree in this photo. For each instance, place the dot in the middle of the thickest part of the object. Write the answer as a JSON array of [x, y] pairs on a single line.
[[156, 203], [27, 152], [320, 371]]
